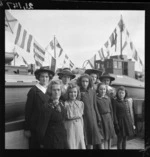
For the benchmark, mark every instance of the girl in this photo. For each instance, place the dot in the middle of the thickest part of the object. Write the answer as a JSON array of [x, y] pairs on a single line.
[[35, 100], [51, 129], [95, 76], [122, 118], [65, 76], [74, 121], [91, 117], [105, 110]]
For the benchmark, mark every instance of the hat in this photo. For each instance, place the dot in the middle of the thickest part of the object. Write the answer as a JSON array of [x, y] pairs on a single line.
[[106, 75], [93, 71], [66, 71], [44, 69]]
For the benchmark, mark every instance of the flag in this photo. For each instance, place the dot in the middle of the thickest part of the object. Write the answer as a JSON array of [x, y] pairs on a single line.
[[10, 22], [121, 25], [23, 39], [135, 55], [92, 61], [131, 45], [58, 45], [100, 55], [25, 62], [51, 44], [39, 54], [115, 38], [107, 49], [140, 61], [124, 45], [71, 64], [112, 39]]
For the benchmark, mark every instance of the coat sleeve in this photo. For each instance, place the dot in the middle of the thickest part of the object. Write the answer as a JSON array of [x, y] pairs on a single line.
[[114, 112], [98, 116], [44, 117], [29, 108], [111, 109]]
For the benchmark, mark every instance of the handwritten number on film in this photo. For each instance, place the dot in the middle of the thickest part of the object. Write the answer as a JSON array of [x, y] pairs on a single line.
[[19, 6]]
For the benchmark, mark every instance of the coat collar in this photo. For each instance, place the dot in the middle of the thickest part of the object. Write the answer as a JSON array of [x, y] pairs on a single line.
[[43, 89], [105, 96]]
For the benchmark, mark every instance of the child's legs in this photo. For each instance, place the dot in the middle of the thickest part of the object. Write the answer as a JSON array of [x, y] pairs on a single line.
[[109, 143], [124, 142], [89, 146], [105, 144], [119, 141]]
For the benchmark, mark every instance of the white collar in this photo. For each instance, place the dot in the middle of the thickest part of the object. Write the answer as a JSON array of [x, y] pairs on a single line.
[[43, 89]]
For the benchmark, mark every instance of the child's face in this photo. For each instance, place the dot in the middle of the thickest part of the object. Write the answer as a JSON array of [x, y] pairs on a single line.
[[65, 79], [56, 91], [73, 93], [85, 82], [102, 90], [44, 78], [94, 77], [106, 81], [121, 94]]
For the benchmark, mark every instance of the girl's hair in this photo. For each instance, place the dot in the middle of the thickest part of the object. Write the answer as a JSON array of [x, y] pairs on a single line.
[[97, 90], [71, 86], [39, 74], [53, 82], [123, 89], [79, 81]]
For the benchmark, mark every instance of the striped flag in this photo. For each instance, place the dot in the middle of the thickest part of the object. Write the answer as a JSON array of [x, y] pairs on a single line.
[[10, 22], [121, 25], [23, 39], [71, 64], [107, 49], [135, 55], [58, 45], [25, 62], [100, 55], [92, 61], [39, 54]]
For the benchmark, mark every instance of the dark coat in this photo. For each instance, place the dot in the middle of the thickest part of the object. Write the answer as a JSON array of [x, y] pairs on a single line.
[[51, 129], [35, 100], [105, 109], [91, 117], [122, 118]]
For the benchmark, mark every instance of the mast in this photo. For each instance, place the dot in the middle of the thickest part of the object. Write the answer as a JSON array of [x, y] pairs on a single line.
[[54, 47], [14, 55]]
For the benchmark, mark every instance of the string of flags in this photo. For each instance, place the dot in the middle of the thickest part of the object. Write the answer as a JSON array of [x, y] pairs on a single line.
[[31, 51], [56, 51], [112, 47]]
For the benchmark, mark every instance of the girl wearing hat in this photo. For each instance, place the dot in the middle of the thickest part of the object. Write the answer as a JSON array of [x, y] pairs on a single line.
[[36, 97], [51, 129], [91, 117], [65, 75], [106, 78], [94, 75]]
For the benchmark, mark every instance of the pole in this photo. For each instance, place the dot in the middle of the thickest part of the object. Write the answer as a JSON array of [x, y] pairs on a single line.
[[14, 55], [54, 48]]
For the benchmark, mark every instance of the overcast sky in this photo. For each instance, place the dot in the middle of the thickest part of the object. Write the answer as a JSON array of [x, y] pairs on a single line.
[[81, 33]]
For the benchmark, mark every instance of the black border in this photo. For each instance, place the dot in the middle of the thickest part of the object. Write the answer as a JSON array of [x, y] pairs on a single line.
[[79, 5]]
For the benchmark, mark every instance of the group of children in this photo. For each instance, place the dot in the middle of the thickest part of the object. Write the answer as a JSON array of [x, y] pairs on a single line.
[[93, 115]]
